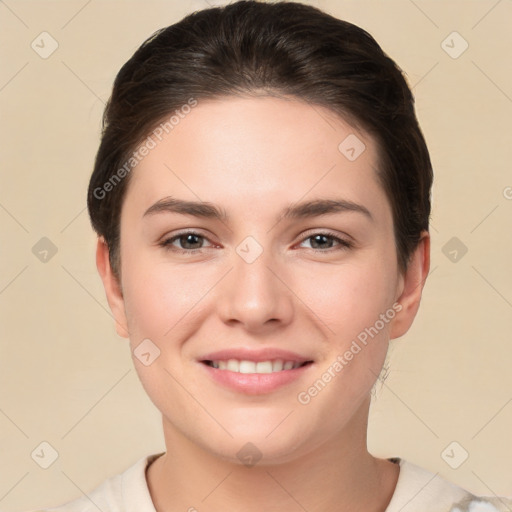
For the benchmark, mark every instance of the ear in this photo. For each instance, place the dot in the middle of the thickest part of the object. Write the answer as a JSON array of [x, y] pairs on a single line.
[[112, 287], [411, 286]]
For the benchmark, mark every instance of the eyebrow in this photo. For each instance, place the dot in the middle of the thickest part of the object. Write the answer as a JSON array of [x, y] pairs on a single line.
[[313, 208]]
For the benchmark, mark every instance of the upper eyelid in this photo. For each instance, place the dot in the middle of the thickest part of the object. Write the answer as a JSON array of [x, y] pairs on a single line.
[[167, 239]]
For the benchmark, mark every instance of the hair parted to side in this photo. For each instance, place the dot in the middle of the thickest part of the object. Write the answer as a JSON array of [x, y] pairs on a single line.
[[285, 49]]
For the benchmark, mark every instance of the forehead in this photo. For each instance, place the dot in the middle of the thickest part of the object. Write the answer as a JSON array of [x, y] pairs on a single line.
[[252, 152]]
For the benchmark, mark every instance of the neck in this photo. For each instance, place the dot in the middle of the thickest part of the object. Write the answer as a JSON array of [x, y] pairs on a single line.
[[337, 476]]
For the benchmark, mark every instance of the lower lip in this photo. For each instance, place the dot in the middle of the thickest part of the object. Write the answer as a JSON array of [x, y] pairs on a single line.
[[255, 383]]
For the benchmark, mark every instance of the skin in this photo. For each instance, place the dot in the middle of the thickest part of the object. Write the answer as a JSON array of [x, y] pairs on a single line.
[[253, 157]]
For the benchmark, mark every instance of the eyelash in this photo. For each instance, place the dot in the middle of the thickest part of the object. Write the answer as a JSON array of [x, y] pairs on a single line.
[[166, 244]]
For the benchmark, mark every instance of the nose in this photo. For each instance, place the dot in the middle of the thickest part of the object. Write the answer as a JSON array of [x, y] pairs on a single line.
[[255, 295]]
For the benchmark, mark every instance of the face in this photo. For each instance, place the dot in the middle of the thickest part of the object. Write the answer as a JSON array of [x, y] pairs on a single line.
[[287, 265]]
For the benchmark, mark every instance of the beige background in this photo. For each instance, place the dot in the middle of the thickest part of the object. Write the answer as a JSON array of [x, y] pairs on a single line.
[[65, 376]]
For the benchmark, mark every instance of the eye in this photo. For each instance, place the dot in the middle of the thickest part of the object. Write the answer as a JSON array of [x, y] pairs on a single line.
[[323, 241], [190, 242]]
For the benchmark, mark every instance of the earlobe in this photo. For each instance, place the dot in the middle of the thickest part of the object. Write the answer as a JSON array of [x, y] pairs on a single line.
[[411, 286], [112, 287]]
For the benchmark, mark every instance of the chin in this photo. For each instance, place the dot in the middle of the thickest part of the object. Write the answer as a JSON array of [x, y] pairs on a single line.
[[256, 453], [257, 445]]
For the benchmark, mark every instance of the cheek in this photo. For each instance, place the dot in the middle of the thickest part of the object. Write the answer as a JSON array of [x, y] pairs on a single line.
[[154, 302], [162, 300], [350, 298], [358, 310]]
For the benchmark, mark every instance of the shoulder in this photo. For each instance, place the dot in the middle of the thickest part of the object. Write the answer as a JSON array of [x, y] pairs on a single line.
[[125, 492], [420, 490]]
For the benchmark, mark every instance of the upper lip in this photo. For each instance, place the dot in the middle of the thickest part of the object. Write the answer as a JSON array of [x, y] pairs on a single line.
[[245, 354]]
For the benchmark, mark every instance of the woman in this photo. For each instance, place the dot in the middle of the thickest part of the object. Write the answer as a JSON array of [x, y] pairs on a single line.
[[261, 197]]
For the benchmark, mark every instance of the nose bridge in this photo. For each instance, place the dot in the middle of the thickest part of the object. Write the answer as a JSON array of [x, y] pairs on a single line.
[[253, 294]]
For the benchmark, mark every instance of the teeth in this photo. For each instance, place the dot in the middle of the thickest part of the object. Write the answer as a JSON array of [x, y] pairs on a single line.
[[277, 365], [232, 365], [244, 366], [247, 367], [264, 367]]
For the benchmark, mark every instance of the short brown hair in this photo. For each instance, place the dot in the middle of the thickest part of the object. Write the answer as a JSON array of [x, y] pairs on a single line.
[[283, 48]]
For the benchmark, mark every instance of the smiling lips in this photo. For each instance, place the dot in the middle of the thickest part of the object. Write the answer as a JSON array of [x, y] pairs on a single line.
[[246, 366], [254, 372]]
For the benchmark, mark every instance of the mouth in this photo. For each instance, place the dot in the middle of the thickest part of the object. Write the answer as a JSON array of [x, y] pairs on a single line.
[[247, 371], [249, 377], [259, 367]]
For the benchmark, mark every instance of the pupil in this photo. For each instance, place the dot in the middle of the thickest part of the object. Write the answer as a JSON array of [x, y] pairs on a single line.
[[188, 239], [317, 237]]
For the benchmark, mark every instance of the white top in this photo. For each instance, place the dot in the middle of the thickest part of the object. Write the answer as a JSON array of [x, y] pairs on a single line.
[[417, 490]]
